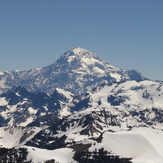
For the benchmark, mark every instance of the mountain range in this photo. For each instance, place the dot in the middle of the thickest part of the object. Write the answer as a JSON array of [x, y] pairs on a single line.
[[81, 106]]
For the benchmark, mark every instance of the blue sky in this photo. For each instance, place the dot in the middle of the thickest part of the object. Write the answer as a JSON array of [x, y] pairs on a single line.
[[126, 33]]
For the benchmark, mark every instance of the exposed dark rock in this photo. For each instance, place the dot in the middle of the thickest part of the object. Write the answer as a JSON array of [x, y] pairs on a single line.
[[14, 155]]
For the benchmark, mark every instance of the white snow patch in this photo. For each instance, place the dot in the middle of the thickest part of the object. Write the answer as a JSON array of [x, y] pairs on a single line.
[[1, 73], [71, 58], [65, 93], [31, 110], [98, 70], [64, 112], [90, 61], [3, 101], [62, 155], [116, 76], [42, 114]]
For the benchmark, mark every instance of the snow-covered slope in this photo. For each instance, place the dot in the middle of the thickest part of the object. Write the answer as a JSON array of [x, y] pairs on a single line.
[[140, 144], [10, 78], [76, 70], [130, 95], [18, 107], [131, 102], [120, 106], [15, 136]]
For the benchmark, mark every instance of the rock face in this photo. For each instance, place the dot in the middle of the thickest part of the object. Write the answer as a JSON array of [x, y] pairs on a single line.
[[20, 107], [76, 70]]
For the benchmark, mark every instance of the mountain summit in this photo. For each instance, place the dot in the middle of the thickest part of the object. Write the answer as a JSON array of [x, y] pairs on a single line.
[[76, 70]]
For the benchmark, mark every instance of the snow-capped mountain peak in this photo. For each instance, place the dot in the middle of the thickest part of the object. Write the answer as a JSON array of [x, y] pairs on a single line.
[[79, 56], [80, 52], [76, 70]]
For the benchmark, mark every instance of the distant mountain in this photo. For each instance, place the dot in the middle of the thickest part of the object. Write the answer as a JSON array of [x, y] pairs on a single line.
[[76, 70]]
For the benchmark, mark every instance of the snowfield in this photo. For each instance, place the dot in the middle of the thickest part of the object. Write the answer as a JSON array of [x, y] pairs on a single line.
[[138, 95], [143, 145], [16, 136], [62, 155], [140, 144]]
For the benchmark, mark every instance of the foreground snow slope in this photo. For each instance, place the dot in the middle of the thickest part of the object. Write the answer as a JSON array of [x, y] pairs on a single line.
[[15, 136], [140, 144], [62, 155]]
